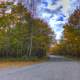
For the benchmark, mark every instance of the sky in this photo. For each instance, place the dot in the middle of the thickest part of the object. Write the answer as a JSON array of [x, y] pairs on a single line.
[[54, 12]]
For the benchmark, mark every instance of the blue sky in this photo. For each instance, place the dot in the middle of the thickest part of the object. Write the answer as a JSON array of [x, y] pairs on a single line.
[[56, 13]]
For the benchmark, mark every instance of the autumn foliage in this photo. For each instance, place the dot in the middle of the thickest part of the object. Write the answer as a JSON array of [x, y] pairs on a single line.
[[21, 34], [70, 42]]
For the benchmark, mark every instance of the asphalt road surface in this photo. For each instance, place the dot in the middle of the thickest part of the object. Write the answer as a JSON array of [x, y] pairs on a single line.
[[50, 70]]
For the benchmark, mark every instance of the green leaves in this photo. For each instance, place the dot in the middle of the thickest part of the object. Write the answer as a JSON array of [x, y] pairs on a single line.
[[16, 30]]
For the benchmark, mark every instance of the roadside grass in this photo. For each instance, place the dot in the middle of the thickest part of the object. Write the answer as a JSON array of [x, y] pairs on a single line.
[[72, 58], [13, 64], [69, 58], [24, 58], [9, 62]]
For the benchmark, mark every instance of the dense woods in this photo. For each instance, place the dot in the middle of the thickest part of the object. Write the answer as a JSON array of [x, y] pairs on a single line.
[[21, 34]]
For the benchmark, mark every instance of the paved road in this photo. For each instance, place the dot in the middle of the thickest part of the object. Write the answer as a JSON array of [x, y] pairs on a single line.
[[51, 70]]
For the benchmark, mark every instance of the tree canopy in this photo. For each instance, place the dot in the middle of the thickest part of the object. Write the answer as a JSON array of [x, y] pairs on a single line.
[[70, 43], [17, 28]]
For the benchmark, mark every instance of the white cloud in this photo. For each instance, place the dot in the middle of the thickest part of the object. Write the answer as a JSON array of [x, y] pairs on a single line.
[[66, 5], [66, 9]]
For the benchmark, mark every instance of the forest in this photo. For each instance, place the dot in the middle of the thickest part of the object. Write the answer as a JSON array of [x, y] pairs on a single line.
[[23, 35]]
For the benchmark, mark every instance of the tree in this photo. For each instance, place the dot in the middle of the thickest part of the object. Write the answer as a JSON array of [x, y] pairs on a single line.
[[72, 34], [17, 29], [42, 36], [70, 42]]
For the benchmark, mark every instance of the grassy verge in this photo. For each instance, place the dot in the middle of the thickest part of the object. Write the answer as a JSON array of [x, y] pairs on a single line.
[[23, 59], [20, 61], [72, 58], [68, 57]]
